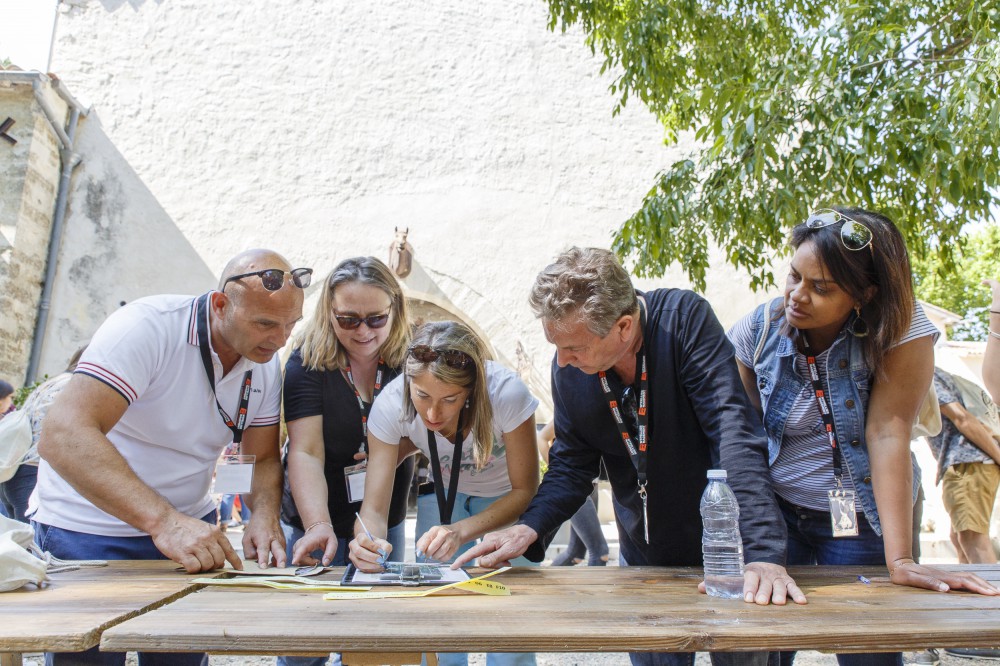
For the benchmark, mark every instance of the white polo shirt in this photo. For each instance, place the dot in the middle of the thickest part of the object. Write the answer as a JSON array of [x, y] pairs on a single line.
[[171, 434]]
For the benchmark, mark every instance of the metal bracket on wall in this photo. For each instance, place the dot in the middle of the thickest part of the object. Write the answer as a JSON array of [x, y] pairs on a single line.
[[4, 126]]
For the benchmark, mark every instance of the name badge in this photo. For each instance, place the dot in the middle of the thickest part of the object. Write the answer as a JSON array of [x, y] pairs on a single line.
[[843, 513], [234, 475], [354, 477]]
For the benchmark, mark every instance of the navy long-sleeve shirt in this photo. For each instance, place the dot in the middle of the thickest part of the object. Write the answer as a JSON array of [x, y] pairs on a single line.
[[699, 418]]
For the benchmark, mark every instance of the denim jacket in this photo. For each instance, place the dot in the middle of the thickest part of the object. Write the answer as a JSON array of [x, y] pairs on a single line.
[[849, 385]]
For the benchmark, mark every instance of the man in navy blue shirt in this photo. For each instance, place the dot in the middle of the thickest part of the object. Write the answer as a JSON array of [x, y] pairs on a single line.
[[657, 435]]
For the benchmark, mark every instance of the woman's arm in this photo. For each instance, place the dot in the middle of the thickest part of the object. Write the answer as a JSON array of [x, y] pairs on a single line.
[[991, 361], [307, 481], [892, 408], [382, 458], [441, 542], [749, 379]]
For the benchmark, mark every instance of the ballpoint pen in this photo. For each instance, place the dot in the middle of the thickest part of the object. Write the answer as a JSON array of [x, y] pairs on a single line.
[[381, 551]]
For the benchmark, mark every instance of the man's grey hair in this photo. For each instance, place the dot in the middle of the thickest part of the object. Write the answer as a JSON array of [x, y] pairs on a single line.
[[588, 283]]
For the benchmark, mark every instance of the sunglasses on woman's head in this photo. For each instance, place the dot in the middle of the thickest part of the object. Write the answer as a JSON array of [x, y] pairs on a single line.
[[274, 278], [351, 322], [450, 357], [854, 235]]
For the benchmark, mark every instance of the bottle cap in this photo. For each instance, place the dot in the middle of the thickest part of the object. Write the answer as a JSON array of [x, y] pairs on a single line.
[[717, 474]]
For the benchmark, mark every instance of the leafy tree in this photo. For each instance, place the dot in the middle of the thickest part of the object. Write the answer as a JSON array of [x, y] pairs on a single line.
[[798, 104], [959, 289]]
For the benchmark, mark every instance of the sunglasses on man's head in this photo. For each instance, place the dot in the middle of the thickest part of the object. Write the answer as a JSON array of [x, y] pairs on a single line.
[[854, 235], [450, 357], [351, 322], [273, 279]]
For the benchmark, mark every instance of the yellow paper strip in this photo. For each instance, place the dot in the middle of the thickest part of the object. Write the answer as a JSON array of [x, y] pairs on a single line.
[[478, 585]]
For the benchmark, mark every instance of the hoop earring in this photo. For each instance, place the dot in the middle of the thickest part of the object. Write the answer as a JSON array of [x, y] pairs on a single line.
[[859, 327]]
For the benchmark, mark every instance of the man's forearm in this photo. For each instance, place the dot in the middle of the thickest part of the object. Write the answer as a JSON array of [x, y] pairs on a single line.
[[268, 484]]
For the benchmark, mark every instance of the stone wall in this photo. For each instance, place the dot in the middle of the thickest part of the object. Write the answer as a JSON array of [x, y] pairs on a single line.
[[29, 175]]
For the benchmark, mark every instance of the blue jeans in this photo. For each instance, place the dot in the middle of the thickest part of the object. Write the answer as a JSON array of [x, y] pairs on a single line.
[[466, 506], [811, 541], [687, 658], [226, 505], [585, 537], [15, 491], [70, 545], [396, 536]]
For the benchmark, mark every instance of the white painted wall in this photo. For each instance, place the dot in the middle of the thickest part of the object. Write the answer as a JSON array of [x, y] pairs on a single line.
[[316, 127]]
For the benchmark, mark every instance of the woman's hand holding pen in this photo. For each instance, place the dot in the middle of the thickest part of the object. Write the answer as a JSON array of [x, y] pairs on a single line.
[[368, 553]]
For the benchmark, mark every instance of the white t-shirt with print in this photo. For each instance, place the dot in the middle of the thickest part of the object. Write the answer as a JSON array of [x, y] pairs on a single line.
[[512, 405]]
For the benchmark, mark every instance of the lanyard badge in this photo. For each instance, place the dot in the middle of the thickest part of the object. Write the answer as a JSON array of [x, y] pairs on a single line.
[[234, 472], [355, 475], [843, 502]]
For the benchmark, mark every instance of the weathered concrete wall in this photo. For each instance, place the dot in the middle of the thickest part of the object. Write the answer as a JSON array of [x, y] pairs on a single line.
[[317, 127], [29, 174]]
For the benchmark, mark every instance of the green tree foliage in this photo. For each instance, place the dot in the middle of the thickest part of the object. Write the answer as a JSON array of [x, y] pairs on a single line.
[[959, 288], [797, 104]]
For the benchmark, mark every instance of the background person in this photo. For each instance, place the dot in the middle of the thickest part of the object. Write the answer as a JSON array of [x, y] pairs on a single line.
[[144, 492], [475, 420], [991, 359], [14, 492], [849, 315], [6, 398]]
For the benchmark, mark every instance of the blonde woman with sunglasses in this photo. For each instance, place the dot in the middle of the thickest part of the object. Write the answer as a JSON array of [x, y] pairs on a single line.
[[838, 367], [475, 420]]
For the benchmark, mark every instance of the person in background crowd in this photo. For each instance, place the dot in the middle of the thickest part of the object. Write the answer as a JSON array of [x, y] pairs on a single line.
[[664, 358], [991, 359], [6, 398], [845, 357], [14, 492], [144, 492], [351, 349], [585, 535], [475, 420]]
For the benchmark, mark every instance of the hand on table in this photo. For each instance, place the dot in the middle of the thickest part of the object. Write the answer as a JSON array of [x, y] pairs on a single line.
[[439, 543], [765, 583], [497, 549], [264, 541], [318, 537], [908, 572], [194, 544]]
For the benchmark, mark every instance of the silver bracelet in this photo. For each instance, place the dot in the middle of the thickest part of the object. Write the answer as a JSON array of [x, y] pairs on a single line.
[[994, 334], [317, 524]]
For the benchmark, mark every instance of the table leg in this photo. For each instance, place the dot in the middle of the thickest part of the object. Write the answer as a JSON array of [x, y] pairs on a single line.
[[10, 659], [384, 658]]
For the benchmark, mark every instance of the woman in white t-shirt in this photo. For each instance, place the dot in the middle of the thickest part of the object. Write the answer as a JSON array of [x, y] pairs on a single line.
[[838, 368], [451, 397]]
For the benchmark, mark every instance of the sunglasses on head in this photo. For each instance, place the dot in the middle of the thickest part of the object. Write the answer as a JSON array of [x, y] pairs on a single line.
[[854, 235], [351, 322], [273, 279], [450, 357]]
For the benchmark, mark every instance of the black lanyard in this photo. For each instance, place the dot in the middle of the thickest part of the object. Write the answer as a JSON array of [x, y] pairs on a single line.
[[825, 411], [638, 453], [366, 409], [206, 359], [446, 505]]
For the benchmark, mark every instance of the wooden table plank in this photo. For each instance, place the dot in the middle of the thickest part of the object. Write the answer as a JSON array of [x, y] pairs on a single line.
[[578, 609], [75, 607]]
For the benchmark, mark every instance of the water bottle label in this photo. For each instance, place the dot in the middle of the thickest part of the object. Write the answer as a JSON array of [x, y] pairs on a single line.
[[843, 513]]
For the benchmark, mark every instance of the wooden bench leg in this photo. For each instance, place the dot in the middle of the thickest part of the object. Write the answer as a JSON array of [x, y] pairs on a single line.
[[14, 659]]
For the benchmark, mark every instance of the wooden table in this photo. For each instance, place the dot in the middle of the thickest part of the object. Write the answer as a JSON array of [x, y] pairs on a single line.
[[71, 612], [576, 609]]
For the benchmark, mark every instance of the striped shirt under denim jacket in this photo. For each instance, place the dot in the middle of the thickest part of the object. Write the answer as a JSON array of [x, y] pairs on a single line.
[[848, 381]]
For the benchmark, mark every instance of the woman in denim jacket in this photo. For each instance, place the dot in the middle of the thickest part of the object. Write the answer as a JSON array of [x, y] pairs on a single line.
[[848, 334]]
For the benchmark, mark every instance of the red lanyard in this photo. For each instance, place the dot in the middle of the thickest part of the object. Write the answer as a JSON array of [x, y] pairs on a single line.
[[825, 411], [365, 409]]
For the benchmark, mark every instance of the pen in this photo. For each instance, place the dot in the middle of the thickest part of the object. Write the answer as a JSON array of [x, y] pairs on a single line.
[[864, 580], [381, 551]]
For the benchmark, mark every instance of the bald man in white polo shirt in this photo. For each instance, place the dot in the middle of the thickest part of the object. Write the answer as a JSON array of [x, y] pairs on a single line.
[[129, 448]]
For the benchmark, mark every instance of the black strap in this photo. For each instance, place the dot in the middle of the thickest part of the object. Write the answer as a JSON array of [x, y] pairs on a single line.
[[446, 505], [239, 426], [366, 408], [825, 410], [638, 453]]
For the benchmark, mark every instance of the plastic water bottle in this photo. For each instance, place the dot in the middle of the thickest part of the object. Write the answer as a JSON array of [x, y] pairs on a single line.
[[721, 544]]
